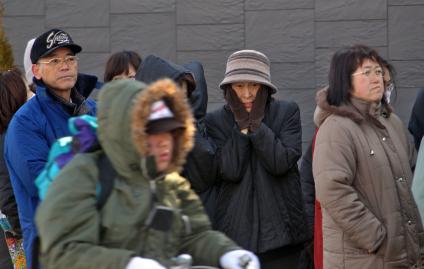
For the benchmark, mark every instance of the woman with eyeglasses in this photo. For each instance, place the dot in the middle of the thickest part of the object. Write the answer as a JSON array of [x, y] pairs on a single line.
[[362, 169]]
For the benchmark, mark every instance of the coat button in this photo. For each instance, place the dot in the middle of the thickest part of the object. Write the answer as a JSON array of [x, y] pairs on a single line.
[[384, 138], [400, 179], [409, 222]]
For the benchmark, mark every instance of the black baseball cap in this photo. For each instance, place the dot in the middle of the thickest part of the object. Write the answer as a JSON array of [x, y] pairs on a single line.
[[51, 40]]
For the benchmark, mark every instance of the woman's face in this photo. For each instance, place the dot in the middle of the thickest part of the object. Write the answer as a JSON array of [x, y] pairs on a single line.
[[367, 82], [123, 75], [161, 147], [246, 92]]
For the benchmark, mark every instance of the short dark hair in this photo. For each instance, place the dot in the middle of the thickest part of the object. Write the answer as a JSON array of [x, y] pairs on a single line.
[[13, 94], [344, 62], [119, 62]]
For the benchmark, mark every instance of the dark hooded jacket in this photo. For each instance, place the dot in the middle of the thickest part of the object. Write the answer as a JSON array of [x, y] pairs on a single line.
[[416, 121], [153, 68], [75, 234], [259, 199]]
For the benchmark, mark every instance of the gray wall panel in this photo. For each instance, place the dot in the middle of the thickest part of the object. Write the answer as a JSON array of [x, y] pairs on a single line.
[[76, 13], [330, 10], [284, 35], [91, 39], [19, 30], [278, 4], [409, 73], [146, 34], [23, 7], [293, 75], [93, 63], [406, 35], [209, 11], [345, 33], [141, 6], [210, 37]]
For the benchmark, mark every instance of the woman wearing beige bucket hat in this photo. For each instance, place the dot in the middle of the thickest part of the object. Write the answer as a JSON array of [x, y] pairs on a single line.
[[258, 143]]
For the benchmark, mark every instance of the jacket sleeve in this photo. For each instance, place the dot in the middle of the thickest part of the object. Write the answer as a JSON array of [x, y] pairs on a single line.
[[232, 147], [204, 244], [233, 155], [279, 152], [26, 152], [308, 187], [68, 222], [200, 168], [334, 167]]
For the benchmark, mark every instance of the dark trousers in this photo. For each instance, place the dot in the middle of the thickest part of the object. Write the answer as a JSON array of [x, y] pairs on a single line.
[[284, 257]]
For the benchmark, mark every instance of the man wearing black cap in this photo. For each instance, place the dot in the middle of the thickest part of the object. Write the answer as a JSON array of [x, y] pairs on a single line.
[[60, 94]]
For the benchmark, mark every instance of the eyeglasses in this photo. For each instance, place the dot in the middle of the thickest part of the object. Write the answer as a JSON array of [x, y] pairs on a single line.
[[367, 72], [70, 60]]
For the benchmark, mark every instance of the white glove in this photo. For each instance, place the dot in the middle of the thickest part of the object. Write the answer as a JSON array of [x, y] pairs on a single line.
[[142, 263], [235, 260]]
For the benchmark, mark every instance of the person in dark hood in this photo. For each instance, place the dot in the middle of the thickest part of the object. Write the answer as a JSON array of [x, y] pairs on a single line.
[[258, 143], [190, 77], [60, 94], [416, 120]]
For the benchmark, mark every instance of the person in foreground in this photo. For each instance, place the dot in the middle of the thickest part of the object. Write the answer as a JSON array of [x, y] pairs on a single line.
[[362, 169], [151, 215]]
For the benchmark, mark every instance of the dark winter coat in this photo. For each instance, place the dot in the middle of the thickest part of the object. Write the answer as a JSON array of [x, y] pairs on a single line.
[[308, 187], [416, 121], [259, 198]]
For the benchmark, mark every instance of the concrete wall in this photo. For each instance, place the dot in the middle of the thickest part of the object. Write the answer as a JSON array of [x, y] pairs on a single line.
[[299, 36]]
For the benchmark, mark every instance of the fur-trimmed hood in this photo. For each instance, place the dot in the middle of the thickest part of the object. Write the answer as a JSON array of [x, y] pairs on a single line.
[[166, 90], [357, 110]]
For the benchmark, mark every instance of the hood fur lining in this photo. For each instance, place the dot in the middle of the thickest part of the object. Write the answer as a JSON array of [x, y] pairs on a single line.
[[167, 90]]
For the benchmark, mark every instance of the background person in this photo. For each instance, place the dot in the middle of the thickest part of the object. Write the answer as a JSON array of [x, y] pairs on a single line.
[[362, 169], [258, 143], [13, 94], [60, 94]]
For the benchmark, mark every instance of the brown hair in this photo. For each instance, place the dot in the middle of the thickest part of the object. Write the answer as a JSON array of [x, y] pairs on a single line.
[[343, 64], [119, 62], [13, 94]]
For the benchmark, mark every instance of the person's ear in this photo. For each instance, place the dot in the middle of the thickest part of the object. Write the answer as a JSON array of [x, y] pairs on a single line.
[[36, 70]]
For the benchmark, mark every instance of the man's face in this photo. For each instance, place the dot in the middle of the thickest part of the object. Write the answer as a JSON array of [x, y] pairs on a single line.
[[161, 146], [58, 70]]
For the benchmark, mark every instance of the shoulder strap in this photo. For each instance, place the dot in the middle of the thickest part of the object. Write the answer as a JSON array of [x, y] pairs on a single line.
[[106, 179]]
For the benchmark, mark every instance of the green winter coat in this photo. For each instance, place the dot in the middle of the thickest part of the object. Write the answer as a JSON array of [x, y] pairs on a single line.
[[75, 235]]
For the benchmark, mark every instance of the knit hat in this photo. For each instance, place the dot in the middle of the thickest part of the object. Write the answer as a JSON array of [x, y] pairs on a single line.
[[51, 40], [27, 61], [161, 119], [248, 65]]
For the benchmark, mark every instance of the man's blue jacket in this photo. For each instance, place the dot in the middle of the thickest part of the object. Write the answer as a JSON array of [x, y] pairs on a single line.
[[31, 132]]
